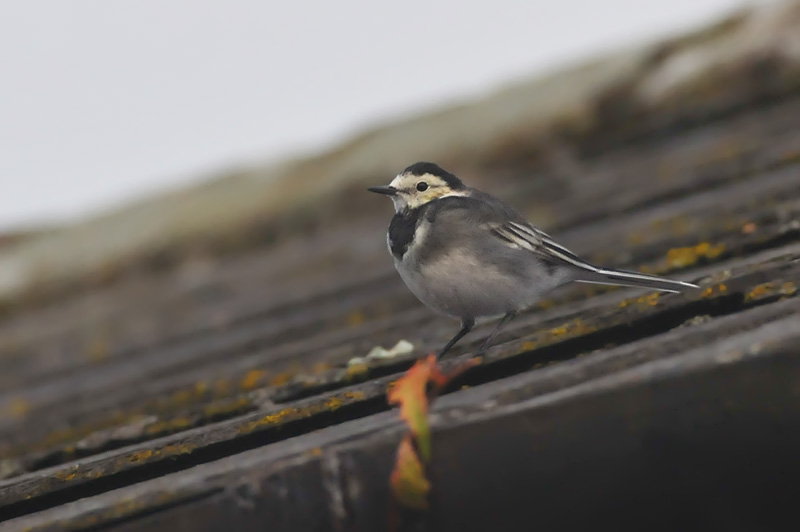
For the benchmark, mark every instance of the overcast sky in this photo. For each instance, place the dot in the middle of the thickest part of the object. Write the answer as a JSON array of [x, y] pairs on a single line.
[[105, 100]]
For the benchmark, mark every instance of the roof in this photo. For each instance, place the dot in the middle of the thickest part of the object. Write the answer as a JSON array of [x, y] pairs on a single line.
[[220, 393]]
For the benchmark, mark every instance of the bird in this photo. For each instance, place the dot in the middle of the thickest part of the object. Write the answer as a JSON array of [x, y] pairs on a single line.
[[467, 254]]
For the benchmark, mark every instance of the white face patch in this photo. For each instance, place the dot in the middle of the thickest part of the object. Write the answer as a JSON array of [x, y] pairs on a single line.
[[409, 196]]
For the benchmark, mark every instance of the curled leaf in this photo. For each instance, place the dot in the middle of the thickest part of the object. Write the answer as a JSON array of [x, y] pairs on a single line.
[[411, 393], [409, 485]]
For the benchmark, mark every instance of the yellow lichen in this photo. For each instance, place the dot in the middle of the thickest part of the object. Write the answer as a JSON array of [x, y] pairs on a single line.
[[333, 403], [140, 456], [280, 379], [647, 300], [320, 368], [169, 426], [546, 304], [227, 408], [758, 291], [182, 396], [681, 257], [355, 318], [788, 288], [253, 378], [636, 238], [98, 349], [67, 474], [222, 387], [356, 370], [574, 328], [291, 414], [270, 419], [17, 408]]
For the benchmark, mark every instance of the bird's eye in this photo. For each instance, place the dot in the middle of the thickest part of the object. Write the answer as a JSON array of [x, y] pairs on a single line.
[[422, 186]]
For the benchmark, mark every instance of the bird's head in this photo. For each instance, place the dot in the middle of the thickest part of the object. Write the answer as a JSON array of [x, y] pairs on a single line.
[[419, 184]]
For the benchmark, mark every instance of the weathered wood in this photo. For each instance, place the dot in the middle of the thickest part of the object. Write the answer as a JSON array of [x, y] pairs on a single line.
[[196, 401]]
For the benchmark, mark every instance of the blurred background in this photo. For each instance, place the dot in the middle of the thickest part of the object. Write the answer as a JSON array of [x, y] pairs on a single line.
[[104, 103], [184, 225], [106, 107]]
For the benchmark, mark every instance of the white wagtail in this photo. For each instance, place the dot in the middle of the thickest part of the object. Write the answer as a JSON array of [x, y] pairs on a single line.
[[467, 254]]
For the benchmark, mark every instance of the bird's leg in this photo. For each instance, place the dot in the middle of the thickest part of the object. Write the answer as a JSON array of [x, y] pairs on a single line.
[[466, 326], [485, 345]]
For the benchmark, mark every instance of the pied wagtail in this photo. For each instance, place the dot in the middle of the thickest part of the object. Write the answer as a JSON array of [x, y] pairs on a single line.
[[467, 254]]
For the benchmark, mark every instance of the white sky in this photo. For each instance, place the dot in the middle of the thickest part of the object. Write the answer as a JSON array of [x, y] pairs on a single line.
[[104, 100]]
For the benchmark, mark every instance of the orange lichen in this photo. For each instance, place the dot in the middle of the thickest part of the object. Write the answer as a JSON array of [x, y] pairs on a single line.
[[355, 318], [647, 300], [98, 349], [546, 304], [280, 379], [573, 328], [320, 368], [182, 397], [356, 371], [169, 426], [66, 475], [770, 289], [291, 414], [17, 408], [169, 450], [636, 238], [333, 403], [759, 291], [140, 456], [222, 387], [253, 378], [709, 291], [748, 228], [788, 288], [227, 408], [681, 257]]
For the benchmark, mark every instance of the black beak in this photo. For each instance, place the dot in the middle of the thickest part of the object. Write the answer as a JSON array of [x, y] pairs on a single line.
[[389, 191]]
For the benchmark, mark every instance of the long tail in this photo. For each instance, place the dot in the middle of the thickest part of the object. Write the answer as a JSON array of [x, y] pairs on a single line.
[[634, 279]]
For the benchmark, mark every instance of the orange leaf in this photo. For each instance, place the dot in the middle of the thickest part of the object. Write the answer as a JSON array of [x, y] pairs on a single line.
[[408, 480], [410, 393]]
